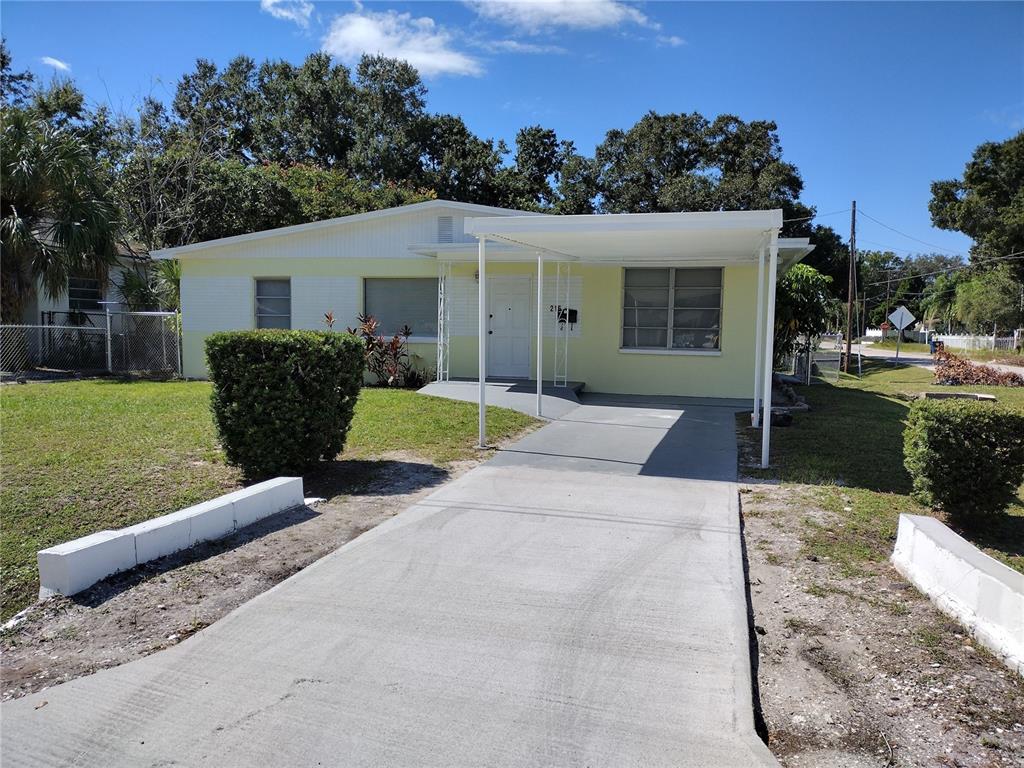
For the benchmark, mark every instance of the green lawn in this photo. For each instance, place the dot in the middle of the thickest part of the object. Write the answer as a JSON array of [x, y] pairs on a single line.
[[850, 447], [79, 457]]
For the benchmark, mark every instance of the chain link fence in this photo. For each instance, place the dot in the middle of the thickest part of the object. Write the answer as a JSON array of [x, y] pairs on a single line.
[[146, 341], [121, 342]]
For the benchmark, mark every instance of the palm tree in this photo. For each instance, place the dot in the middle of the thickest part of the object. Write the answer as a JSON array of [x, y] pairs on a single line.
[[156, 286], [55, 218]]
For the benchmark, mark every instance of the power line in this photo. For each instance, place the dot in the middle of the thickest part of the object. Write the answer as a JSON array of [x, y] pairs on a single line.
[[816, 216], [904, 234], [1008, 257], [906, 250]]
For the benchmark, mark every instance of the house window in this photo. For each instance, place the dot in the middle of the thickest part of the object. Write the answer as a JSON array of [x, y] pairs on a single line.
[[273, 303], [399, 301], [672, 308], [84, 294]]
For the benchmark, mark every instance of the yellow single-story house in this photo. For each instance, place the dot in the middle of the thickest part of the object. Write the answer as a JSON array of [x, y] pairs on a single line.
[[646, 304]]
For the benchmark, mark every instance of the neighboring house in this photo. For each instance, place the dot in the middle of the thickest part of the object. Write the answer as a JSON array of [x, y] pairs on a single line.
[[85, 299], [652, 304]]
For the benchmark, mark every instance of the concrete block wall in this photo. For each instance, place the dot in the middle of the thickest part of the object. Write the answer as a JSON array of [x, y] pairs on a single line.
[[981, 593], [76, 565]]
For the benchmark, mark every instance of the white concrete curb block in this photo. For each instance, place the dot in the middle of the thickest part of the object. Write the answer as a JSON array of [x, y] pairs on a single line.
[[209, 520], [984, 595], [252, 504], [160, 536], [76, 565], [71, 567]]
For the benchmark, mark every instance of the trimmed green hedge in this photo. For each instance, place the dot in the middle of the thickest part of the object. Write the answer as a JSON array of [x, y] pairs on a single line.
[[283, 400], [965, 457]]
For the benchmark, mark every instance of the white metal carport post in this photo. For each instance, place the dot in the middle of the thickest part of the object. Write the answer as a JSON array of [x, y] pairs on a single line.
[[482, 332], [759, 338], [769, 347], [540, 332]]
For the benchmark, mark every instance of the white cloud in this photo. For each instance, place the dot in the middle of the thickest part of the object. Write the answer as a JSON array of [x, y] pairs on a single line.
[[673, 41], [298, 11], [1011, 117], [57, 64], [514, 46], [536, 15], [420, 41]]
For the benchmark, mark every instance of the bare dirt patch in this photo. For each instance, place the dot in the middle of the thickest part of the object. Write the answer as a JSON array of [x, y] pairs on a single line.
[[161, 603], [858, 668]]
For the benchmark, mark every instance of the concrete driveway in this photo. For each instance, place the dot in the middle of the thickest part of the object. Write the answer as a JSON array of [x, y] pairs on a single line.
[[577, 601]]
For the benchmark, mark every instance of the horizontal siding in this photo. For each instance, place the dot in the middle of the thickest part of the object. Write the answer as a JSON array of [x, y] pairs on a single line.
[[313, 296], [216, 303], [388, 238]]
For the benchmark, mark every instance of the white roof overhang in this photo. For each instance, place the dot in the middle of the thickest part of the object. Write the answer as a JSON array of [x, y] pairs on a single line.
[[717, 237], [313, 226]]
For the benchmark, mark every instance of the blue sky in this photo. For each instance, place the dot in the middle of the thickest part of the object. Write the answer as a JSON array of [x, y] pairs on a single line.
[[873, 100]]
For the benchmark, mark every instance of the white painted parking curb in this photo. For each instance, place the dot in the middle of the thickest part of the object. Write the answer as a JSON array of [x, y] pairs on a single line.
[[981, 593], [76, 565]]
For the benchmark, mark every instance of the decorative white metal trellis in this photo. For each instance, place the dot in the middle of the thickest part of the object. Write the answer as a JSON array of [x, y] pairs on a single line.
[[563, 277], [444, 318]]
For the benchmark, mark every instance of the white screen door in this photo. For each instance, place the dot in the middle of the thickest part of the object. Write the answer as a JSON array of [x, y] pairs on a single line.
[[508, 344]]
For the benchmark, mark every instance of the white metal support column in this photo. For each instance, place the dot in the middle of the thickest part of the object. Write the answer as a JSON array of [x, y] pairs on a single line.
[[759, 338], [482, 334], [769, 347], [540, 332]]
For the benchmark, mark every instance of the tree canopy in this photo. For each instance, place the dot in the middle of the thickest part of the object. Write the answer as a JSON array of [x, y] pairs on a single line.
[[256, 145], [990, 300], [804, 308], [684, 162], [987, 204]]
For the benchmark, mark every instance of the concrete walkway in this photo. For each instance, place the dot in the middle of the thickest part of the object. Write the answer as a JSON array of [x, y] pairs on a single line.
[[577, 601], [517, 395]]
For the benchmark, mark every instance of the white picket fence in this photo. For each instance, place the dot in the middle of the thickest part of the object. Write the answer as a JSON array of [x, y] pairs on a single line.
[[972, 343], [961, 341]]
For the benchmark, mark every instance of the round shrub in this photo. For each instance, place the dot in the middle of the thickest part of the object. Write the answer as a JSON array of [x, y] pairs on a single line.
[[964, 457], [283, 400]]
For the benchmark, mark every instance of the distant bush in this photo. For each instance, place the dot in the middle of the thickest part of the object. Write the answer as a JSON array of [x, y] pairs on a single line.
[[283, 400], [951, 369], [964, 457]]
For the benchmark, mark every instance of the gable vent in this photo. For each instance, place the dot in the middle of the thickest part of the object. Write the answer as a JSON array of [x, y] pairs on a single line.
[[445, 229]]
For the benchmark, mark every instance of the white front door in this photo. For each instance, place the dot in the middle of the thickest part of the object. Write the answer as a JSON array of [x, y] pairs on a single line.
[[508, 340]]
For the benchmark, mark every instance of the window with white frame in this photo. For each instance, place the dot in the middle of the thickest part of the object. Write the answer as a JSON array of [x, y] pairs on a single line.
[[273, 302], [396, 302], [672, 308], [84, 293]]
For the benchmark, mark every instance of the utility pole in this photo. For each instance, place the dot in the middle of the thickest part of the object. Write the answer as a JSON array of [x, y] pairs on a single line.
[[888, 281], [849, 289]]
